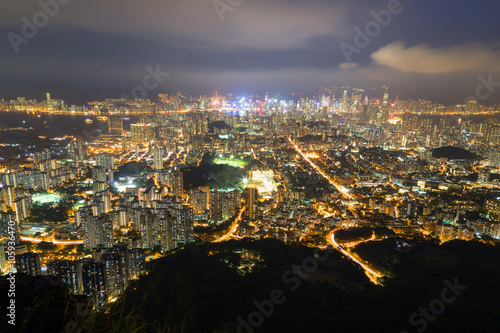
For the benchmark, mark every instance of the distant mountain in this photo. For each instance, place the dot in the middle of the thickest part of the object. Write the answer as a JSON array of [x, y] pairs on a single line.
[[454, 153], [59, 90]]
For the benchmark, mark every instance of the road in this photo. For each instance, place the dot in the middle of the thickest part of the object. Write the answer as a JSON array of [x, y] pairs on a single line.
[[233, 228], [339, 188], [38, 240], [352, 244], [372, 275]]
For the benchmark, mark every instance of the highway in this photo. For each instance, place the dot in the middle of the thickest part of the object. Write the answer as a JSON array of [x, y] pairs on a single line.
[[38, 240], [339, 188], [233, 228], [372, 275]]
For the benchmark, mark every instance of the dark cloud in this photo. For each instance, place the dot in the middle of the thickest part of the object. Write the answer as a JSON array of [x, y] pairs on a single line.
[[260, 45]]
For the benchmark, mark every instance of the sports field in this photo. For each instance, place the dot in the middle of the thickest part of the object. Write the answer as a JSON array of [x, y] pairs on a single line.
[[46, 198], [234, 162]]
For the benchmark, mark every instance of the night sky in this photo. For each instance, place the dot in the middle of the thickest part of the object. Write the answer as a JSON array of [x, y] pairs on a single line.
[[430, 48]]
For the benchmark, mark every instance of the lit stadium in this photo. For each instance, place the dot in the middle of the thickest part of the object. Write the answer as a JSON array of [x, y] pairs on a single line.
[[46, 198]]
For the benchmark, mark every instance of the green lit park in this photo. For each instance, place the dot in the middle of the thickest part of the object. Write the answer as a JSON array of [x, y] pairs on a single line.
[[46, 198], [231, 161], [52, 207]]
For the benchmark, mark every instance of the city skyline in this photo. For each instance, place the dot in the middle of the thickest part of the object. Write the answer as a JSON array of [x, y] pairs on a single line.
[[249, 166]]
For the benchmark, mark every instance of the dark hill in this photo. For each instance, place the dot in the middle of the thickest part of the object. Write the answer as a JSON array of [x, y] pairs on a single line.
[[201, 289], [210, 287], [133, 169], [220, 124], [453, 153]]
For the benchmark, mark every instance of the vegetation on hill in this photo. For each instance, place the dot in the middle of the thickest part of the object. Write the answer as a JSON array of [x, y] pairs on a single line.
[[453, 153], [214, 287], [218, 176]]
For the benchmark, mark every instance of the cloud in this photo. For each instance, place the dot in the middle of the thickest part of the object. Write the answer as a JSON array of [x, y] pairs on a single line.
[[474, 57], [348, 65], [258, 23]]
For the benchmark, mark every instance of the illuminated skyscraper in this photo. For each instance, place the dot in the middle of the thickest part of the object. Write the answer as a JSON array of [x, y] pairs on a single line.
[[345, 106], [136, 263], [115, 125], [158, 157], [493, 136], [182, 226], [22, 207], [149, 229], [67, 272], [94, 281], [251, 201], [3, 255], [97, 230], [77, 150], [106, 161], [494, 158], [178, 183], [141, 133], [29, 263]]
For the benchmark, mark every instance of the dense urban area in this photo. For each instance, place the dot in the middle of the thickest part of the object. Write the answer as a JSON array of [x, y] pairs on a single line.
[[125, 183]]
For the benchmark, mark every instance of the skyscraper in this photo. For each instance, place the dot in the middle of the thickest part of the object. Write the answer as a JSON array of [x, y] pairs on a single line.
[[94, 281], [251, 201], [97, 230], [136, 263], [68, 272], [141, 133], [29, 263], [105, 161], [115, 125], [158, 157], [178, 183], [77, 151]]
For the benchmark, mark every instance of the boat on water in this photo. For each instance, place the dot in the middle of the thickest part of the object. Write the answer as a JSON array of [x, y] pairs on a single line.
[[102, 118], [89, 121]]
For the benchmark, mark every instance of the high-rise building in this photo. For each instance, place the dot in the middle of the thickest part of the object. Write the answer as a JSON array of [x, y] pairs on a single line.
[[141, 133], [494, 158], [116, 272], [97, 230], [106, 161], [149, 228], [199, 199], [158, 157], [3, 256], [251, 202], [77, 150], [93, 276], [345, 105], [178, 183], [68, 272], [42, 156], [22, 207], [136, 263], [115, 125], [484, 175], [223, 204], [29, 263], [182, 226]]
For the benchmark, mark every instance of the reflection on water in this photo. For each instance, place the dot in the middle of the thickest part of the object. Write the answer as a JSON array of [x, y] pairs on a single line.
[[58, 124]]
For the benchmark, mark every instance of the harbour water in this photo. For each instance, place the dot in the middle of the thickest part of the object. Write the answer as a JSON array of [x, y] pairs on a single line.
[[58, 124]]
